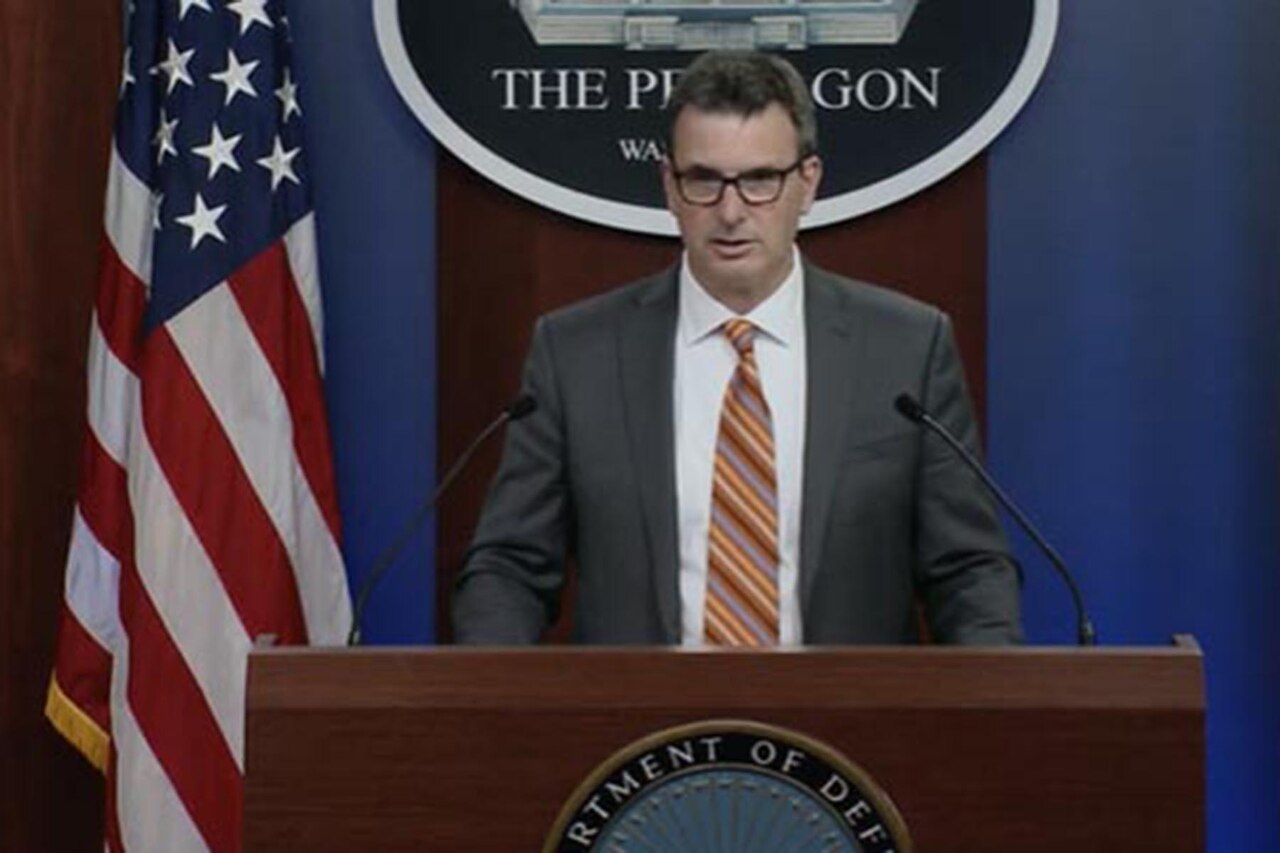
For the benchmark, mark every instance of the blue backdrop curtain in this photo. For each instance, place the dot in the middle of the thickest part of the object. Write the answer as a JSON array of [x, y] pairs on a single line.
[[1134, 388], [1134, 354], [374, 180]]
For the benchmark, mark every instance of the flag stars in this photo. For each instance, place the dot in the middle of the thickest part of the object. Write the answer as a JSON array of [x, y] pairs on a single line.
[[203, 222], [126, 74], [236, 77], [288, 95], [251, 12], [280, 163], [175, 65], [218, 151], [164, 137], [157, 201], [185, 6]]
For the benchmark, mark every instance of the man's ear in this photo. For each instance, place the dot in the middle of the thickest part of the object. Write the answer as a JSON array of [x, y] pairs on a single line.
[[811, 175], [668, 182]]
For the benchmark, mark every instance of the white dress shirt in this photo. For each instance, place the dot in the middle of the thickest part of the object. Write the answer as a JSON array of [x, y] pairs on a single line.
[[704, 363]]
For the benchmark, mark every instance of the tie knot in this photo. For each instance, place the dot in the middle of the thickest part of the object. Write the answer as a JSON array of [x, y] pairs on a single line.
[[742, 334]]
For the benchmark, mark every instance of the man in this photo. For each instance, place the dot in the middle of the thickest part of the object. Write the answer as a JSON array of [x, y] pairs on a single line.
[[717, 445]]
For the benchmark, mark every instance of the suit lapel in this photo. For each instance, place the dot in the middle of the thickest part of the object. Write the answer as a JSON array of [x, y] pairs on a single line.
[[832, 364], [646, 349]]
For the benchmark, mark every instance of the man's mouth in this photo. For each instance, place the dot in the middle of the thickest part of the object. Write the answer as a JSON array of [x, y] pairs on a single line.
[[731, 247]]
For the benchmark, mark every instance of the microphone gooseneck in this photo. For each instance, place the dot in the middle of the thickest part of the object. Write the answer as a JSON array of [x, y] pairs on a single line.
[[522, 406], [910, 409]]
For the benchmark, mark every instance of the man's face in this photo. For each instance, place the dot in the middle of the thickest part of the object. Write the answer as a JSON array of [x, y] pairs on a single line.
[[739, 252]]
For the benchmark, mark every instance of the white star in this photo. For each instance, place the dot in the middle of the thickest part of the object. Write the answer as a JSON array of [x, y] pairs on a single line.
[[250, 11], [185, 5], [218, 152], [203, 222], [157, 201], [164, 137], [175, 65], [236, 77], [280, 163], [288, 95], [126, 76]]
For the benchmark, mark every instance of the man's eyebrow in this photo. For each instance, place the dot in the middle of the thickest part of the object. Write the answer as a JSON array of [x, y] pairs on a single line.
[[710, 170]]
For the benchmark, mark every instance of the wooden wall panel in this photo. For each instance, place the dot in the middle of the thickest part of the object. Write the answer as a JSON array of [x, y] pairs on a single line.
[[59, 63], [503, 261]]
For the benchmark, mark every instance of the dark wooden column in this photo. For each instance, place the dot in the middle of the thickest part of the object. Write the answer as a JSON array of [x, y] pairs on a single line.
[[58, 73], [504, 261]]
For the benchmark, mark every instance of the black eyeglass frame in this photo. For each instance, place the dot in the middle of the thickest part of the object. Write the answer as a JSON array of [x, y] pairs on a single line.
[[781, 175]]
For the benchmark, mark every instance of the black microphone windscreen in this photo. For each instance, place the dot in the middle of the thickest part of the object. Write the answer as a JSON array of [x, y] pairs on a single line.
[[521, 406], [909, 408]]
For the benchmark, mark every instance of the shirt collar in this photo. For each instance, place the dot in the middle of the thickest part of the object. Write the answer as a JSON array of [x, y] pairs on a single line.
[[780, 317]]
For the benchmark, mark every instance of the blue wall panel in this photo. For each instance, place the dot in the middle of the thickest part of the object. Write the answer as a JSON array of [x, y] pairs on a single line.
[[374, 177], [1134, 354]]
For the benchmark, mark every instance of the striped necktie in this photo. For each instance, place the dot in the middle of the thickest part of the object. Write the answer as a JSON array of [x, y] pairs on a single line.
[[742, 554]]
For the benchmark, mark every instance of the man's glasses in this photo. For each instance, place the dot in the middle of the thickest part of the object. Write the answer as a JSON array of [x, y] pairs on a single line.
[[705, 187]]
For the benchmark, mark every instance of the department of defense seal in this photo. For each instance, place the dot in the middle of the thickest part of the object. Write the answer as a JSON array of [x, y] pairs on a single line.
[[728, 785]]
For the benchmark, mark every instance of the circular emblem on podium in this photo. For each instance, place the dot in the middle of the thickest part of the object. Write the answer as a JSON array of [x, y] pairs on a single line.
[[729, 785]]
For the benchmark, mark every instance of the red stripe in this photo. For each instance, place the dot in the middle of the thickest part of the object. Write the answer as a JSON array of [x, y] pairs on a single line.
[[83, 667], [104, 497], [206, 477], [168, 705], [176, 721], [83, 670], [121, 303], [268, 296]]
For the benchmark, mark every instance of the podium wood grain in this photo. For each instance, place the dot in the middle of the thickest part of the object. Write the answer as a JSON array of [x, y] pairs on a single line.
[[477, 750]]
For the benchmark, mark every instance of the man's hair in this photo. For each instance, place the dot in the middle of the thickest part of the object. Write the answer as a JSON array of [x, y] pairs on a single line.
[[745, 83]]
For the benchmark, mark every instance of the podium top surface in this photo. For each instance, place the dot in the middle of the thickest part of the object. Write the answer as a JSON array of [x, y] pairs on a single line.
[[865, 677]]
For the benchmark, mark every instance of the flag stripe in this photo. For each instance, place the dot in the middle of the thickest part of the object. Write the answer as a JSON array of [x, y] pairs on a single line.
[[93, 583], [128, 219], [199, 613], [149, 814], [104, 504], [111, 396], [198, 462], [174, 718], [300, 245], [121, 302], [234, 377], [269, 298]]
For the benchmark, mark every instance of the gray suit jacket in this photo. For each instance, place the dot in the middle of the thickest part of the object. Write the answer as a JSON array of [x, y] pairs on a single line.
[[889, 516]]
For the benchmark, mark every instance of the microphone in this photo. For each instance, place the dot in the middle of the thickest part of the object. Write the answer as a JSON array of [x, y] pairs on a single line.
[[913, 411], [521, 407]]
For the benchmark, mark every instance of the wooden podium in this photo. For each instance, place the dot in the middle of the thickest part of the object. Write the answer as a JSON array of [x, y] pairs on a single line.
[[457, 749]]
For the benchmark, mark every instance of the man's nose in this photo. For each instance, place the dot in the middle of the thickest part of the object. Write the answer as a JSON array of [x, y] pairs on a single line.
[[731, 207]]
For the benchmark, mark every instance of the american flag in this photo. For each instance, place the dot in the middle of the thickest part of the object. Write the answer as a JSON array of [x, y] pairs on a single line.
[[207, 514]]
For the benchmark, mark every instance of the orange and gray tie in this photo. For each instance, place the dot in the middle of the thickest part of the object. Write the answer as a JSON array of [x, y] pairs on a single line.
[[742, 554]]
